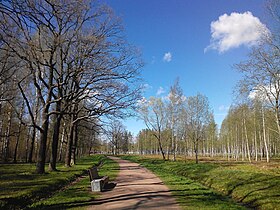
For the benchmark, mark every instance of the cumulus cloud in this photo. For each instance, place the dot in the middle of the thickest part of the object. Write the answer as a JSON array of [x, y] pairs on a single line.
[[234, 30], [160, 91], [167, 57]]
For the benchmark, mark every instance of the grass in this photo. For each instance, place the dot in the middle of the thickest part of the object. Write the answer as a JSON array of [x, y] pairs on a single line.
[[21, 187], [209, 185], [78, 195]]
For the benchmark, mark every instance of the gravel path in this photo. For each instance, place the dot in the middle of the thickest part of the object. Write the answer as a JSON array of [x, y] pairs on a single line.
[[137, 188]]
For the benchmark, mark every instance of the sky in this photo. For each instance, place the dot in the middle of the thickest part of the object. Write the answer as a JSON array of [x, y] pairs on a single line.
[[198, 41]]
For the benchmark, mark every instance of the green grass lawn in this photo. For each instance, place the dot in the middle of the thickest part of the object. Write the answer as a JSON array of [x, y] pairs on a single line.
[[211, 185], [77, 195], [20, 186]]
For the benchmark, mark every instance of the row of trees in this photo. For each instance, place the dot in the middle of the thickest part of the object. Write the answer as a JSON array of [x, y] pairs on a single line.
[[65, 67], [117, 140], [176, 124], [250, 132], [251, 129], [255, 121]]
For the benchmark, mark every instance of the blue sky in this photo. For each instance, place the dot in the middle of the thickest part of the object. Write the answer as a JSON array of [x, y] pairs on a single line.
[[182, 30]]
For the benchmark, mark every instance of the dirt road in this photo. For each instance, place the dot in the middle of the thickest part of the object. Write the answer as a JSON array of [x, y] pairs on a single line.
[[137, 188]]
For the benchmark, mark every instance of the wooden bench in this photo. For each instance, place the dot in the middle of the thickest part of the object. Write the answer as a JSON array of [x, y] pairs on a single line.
[[97, 182]]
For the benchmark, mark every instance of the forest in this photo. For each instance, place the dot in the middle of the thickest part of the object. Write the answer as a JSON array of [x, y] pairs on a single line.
[[68, 77], [66, 69]]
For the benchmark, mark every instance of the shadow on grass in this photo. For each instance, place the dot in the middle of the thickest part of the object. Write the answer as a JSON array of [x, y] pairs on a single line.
[[200, 200], [255, 189], [20, 186], [109, 187], [142, 197], [252, 188]]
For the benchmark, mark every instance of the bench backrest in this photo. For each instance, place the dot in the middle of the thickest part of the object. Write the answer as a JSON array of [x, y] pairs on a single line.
[[93, 173]]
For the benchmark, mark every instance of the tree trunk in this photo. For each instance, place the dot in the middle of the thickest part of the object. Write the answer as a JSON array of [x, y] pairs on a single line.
[[247, 140], [69, 145], [41, 158], [176, 148], [34, 131], [27, 144], [55, 140], [196, 151], [255, 138], [7, 138], [160, 146], [74, 148], [33, 138], [195, 141], [264, 136], [62, 142], [168, 150], [18, 133], [185, 150]]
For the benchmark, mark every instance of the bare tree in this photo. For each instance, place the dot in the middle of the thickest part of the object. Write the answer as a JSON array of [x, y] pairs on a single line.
[[261, 71], [114, 132], [176, 99], [77, 60], [153, 113], [198, 113]]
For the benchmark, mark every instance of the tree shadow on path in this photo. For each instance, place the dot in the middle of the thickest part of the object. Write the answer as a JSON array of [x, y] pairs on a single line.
[[142, 197]]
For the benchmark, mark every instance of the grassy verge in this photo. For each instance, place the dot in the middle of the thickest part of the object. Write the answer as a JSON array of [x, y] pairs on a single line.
[[254, 187], [21, 187], [77, 195]]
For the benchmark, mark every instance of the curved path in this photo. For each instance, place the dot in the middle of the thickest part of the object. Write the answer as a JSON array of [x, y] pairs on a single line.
[[137, 188]]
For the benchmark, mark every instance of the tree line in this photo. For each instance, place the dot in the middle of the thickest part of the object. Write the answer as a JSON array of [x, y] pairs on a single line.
[[251, 129], [176, 124], [65, 68]]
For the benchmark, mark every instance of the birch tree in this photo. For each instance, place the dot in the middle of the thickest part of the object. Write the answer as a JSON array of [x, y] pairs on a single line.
[[198, 112], [261, 71], [153, 113], [174, 108]]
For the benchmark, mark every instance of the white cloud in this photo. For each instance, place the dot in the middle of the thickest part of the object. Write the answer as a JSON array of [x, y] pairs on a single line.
[[264, 93], [146, 87], [160, 91], [176, 98], [234, 30], [223, 108], [167, 57], [142, 101]]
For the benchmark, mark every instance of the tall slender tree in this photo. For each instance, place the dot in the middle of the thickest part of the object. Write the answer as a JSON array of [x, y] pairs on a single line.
[[199, 115]]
